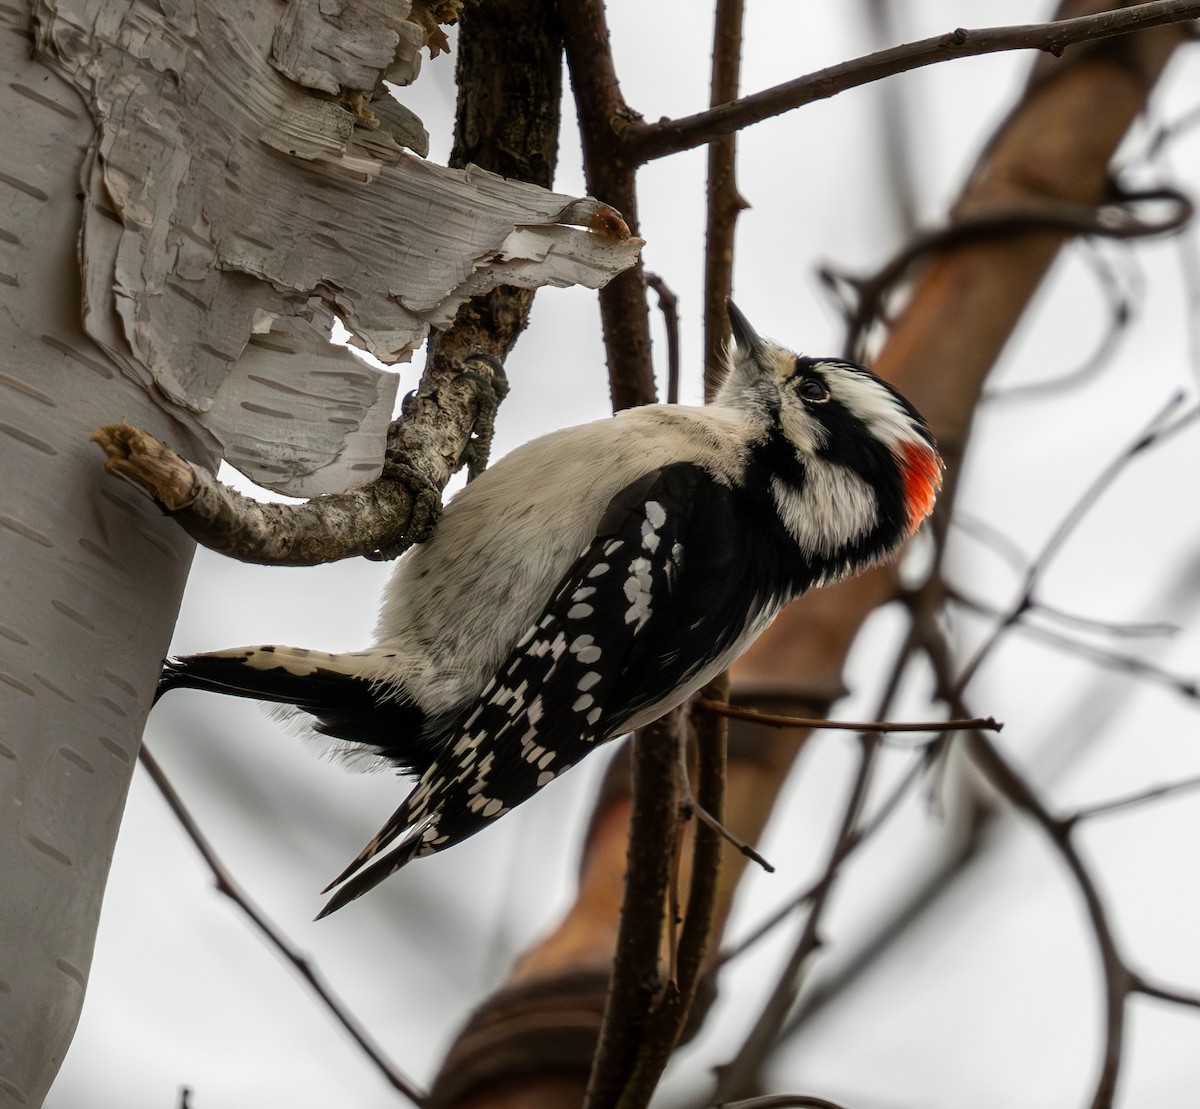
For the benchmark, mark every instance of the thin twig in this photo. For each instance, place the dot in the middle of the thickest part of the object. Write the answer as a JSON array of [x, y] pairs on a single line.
[[647, 141], [690, 806], [274, 937], [1112, 219], [1121, 301], [782, 1101], [1132, 800], [884, 727], [767, 926], [668, 305], [1130, 664], [1165, 993], [741, 1072], [1118, 981], [1155, 432]]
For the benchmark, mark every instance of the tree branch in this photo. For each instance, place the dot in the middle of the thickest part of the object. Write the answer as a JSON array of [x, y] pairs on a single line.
[[610, 174], [724, 201], [379, 520], [647, 141], [774, 720], [274, 937], [636, 986]]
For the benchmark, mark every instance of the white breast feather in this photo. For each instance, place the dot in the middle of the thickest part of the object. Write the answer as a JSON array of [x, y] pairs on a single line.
[[505, 541]]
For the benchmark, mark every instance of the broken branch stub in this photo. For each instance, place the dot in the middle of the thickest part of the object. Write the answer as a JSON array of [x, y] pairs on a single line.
[[231, 214]]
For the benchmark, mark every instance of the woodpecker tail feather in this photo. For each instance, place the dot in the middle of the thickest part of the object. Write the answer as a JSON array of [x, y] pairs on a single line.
[[337, 691], [383, 867]]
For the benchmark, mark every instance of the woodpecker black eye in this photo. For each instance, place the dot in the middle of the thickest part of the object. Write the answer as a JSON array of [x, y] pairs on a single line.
[[813, 389]]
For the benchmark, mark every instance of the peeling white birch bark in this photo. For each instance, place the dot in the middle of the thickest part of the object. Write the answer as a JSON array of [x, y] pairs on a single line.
[[228, 206], [226, 215]]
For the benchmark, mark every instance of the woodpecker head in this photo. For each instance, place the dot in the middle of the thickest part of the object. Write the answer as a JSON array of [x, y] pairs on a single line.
[[851, 465]]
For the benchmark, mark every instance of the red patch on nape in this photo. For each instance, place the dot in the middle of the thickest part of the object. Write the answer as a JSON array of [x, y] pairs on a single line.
[[922, 468]]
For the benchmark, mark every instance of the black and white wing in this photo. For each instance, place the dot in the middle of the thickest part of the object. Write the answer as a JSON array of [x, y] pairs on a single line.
[[678, 579]]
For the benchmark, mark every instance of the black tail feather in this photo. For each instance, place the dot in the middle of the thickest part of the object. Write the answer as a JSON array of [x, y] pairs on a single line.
[[343, 705], [367, 879]]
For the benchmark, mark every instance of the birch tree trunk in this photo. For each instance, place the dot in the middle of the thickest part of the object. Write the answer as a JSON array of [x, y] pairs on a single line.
[[92, 578], [189, 194]]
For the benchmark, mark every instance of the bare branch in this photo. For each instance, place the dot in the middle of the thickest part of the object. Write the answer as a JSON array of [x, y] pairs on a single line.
[[741, 1071], [725, 203], [666, 1023], [885, 727], [610, 173], [1132, 800], [636, 986], [1165, 993], [1114, 219], [668, 305], [384, 517], [782, 1101], [1156, 431], [274, 937], [1117, 979], [648, 141]]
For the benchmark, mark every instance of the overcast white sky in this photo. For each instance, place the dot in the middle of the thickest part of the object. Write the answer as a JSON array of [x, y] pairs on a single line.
[[994, 1003]]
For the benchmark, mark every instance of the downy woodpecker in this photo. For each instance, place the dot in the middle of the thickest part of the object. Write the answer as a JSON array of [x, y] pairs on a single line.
[[592, 580]]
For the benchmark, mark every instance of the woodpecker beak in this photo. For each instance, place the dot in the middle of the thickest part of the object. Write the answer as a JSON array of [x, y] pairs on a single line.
[[744, 335]]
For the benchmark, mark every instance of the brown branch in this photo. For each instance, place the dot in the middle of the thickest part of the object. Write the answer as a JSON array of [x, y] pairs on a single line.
[[1155, 432], [1183, 686], [774, 720], [1119, 982], [1132, 800], [610, 176], [1165, 993], [275, 939], [1112, 219], [647, 141], [782, 1101], [742, 1071], [668, 305], [725, 203], [666, 1023], [381, 519], [635, 990]]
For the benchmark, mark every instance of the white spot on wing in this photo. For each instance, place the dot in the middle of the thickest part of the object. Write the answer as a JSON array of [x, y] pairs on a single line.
[[637, 593]]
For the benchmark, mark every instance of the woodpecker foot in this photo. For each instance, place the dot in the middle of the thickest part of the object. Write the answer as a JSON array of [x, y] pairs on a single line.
[[426, 506], [489, 374]]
